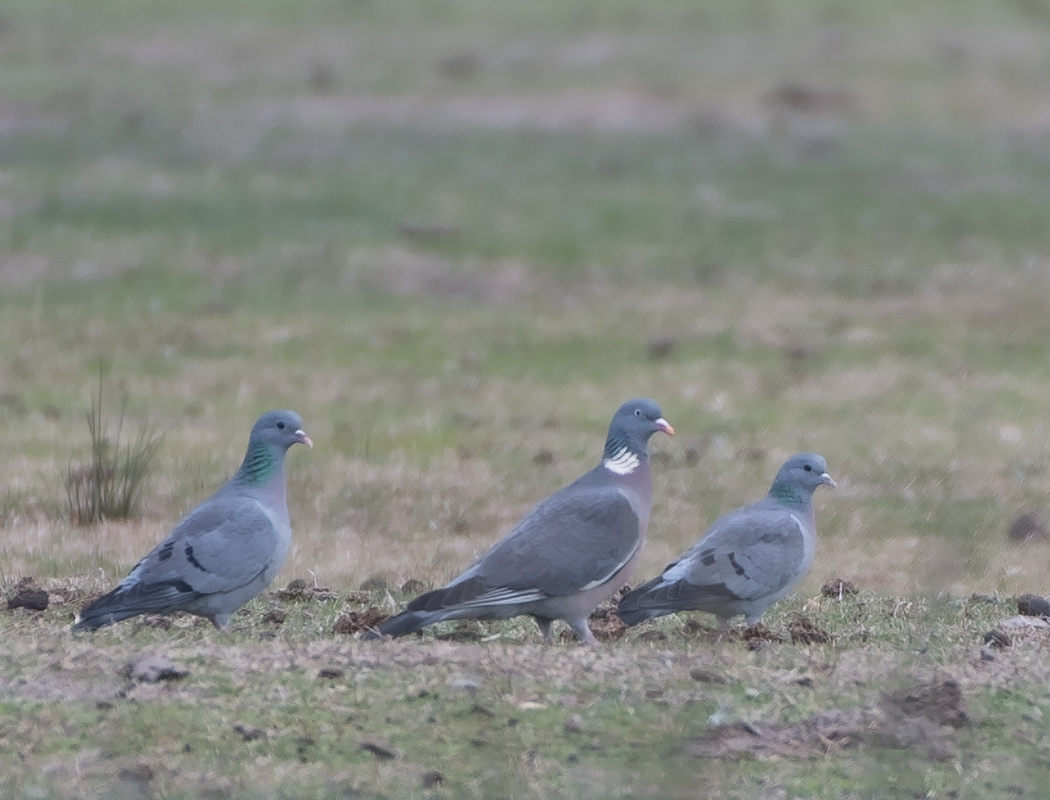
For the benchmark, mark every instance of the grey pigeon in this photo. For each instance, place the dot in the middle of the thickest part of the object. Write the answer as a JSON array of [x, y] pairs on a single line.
[[747, 560], [568, 554], [225, 551]]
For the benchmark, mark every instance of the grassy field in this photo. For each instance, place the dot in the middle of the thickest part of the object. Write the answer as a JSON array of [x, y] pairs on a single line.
[[455, 236]]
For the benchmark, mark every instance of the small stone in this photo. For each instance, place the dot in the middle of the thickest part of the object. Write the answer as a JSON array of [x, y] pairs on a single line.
[[1023, 622], [574, 724], [275, 616], [987, 654], [330, 673]]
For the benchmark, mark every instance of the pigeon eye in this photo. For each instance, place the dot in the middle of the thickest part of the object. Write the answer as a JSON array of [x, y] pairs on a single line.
[[808, 468], [638, 412], [280, 426]]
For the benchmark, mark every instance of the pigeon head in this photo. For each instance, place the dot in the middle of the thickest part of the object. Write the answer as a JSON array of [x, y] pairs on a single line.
[[629, 432], [799, 478], [272, 434], [280, 429]]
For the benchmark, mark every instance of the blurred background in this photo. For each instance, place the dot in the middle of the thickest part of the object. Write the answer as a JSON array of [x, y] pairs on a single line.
[[456, 235]]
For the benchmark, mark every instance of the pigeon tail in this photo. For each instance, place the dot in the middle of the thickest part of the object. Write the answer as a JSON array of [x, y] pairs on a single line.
[[130, 601], [404, 623], [632, 616], [106, 610], [632, 607]]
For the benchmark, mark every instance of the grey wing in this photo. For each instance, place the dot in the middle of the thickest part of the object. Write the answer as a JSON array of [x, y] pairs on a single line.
[[216, 548], [746, 555], [575, 540]]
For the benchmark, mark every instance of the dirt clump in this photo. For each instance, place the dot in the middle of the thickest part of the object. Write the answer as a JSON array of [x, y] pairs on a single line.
[[838, 588], [606, 625], [804, 631], [153, 669], [275, 616], [27, 593], [755, 635], [355, 621], [1032, 605], [297, 591]]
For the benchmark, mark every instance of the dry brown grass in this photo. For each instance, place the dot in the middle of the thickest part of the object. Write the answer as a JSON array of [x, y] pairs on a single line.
[[417, 489]]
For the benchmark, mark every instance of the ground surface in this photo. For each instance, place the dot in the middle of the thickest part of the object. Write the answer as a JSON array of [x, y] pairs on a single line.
[[455, 237]]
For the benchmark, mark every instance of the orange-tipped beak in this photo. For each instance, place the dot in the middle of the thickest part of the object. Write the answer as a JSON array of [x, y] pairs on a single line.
[[302, 438], [665, 426]]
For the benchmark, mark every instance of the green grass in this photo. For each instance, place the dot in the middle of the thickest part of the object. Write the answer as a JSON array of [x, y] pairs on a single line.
[[448, 234], [507, 718]]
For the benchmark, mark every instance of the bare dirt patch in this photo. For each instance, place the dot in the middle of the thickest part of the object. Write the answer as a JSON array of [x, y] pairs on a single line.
[[922, 719]]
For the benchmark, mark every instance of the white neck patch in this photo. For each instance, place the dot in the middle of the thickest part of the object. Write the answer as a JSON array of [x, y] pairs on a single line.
[[623, 463]]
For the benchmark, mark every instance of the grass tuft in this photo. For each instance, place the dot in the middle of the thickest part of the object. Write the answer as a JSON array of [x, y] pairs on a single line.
[[110, 486]]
